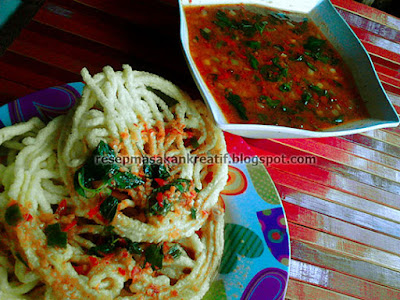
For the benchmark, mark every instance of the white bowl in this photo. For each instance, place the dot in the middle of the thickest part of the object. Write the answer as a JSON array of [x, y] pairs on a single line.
[[338, 32]]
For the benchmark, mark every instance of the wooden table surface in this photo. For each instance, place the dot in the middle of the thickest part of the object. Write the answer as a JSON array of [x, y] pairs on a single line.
[[343, 211]]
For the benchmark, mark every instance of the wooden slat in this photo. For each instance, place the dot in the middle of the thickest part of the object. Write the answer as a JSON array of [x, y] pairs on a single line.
[[345, 247], [338, 282], [266, 147], [374, 144], [299, 291], [323, 192], [311, 147], [368, 12], [333, 226], [347, 265], [338, 211], [10, 90], [317, 175]]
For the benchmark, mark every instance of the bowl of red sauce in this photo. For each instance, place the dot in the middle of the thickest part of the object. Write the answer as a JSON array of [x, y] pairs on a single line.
[[282, 69]]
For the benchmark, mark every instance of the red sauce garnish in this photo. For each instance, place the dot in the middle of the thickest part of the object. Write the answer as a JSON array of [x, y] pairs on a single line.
[[61, 207], [270, 67], [70, 226], [122, 271]]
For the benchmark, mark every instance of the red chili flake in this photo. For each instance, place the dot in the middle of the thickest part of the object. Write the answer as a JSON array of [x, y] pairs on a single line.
[[161, 182], [94, 261], [135, 270], [82, 270], [108, 257], [61, 207], [229, 42], [159, 199], [199, 233], [209, 177], [70, 225], [242, 56], [94, 211], [122, 243], [189, 134], [174, 293], [122, 271], [204, 213], [28, 217], [224, 75], [155, 288]]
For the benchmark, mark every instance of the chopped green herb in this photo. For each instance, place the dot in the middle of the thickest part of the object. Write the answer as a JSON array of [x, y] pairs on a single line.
[[99, 166], [155, 170], [133, 247], [273, 72], [174, 251], [193, 213], [271, 103], [155, 209], [205, 34], [126, 180], [237, 103], [279, 47], [302, 28], [194, 142], [253, 62], [167, 99], [256, 45], [223, 21], [13, 215], [288, 110], [154, 256], [286, 87], [306, 97], [318, 90], [260, 26], [56, 237], [108, 245], [311, 66], [220, 44], [108, 208], [262, 118]]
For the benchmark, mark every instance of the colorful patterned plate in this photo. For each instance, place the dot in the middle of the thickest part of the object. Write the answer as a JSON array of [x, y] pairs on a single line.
[[255, 263]]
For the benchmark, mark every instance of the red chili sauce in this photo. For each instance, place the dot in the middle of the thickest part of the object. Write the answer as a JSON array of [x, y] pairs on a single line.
[[268, 67]]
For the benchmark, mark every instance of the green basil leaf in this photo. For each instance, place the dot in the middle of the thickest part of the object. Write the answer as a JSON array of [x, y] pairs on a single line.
[[174, 251], [193, 213], [253, 62], [56, 237], [223, 21], [126, 180], [156, 171], [108, 208], [133, 247], [13, 215], [156, 210], [167, 99], [271, 103], [286, 87], [205, 34], [256, 45], [154, 255], [237, 103]]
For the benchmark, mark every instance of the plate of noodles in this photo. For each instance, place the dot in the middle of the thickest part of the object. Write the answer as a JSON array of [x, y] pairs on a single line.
[[123, 188]]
